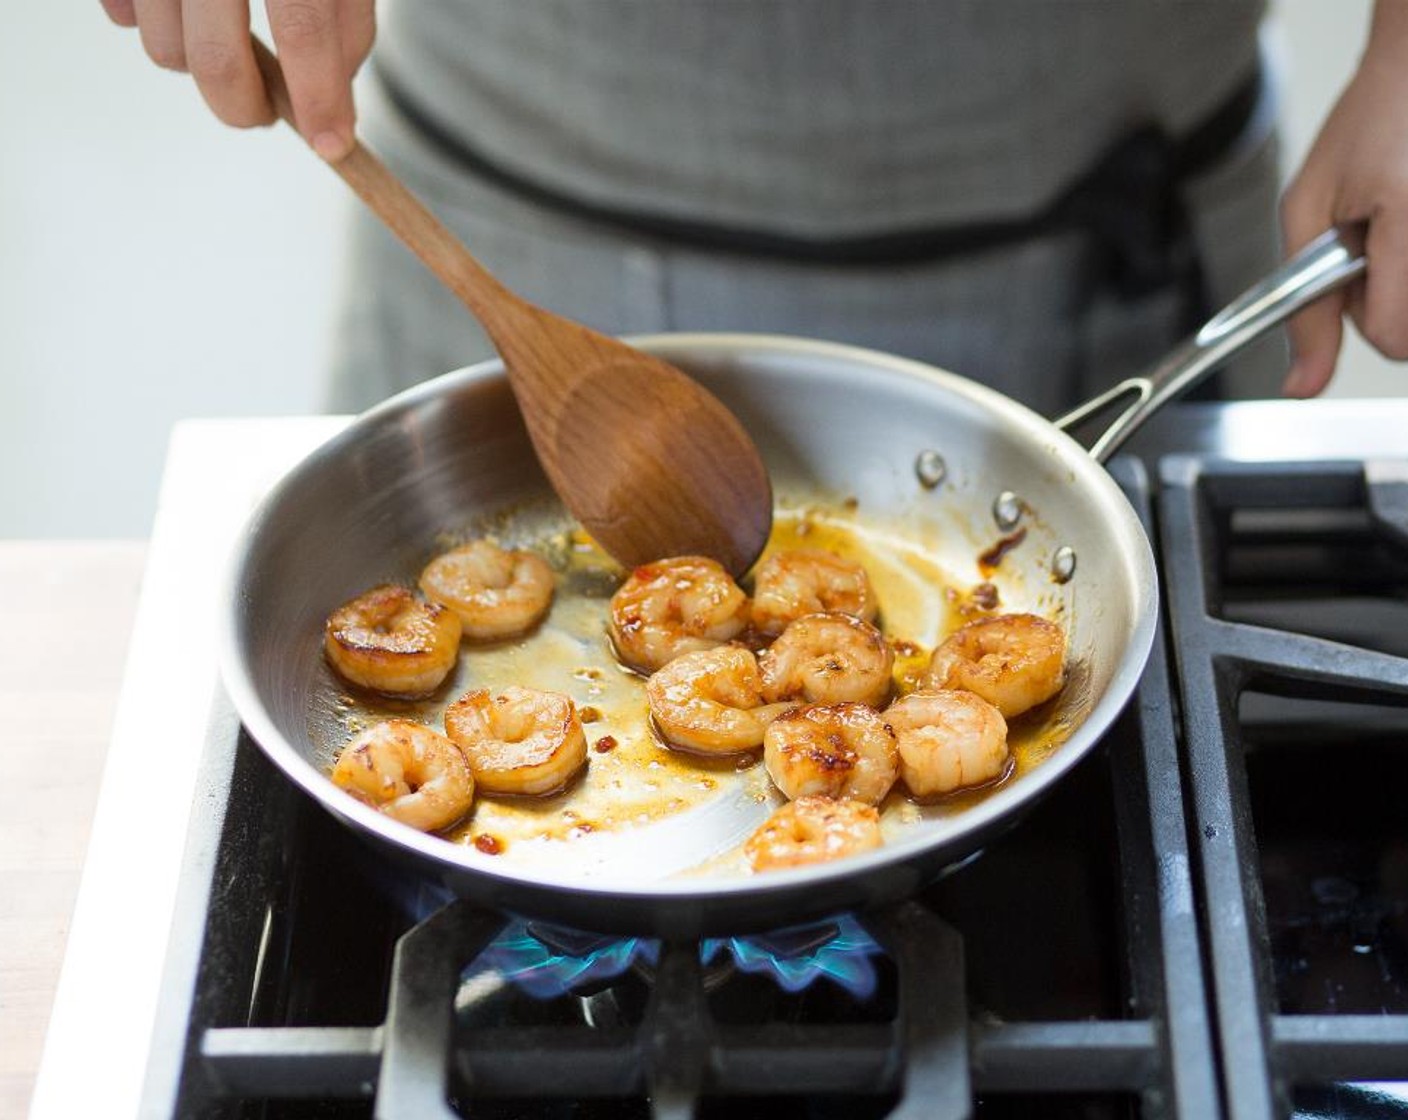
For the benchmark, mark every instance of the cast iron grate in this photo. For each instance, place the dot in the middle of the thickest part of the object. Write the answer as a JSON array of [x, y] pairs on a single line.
[[259, 1040], [1287, 585]]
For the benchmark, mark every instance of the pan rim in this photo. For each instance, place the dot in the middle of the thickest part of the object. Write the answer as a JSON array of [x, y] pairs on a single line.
[[978, 820]]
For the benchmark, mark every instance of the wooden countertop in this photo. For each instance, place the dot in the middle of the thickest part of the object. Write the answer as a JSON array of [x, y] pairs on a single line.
[[68, 609]]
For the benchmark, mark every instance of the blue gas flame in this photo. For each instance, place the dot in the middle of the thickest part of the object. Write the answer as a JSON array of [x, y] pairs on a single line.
[[561, 961], [546, 972], [844, 959]]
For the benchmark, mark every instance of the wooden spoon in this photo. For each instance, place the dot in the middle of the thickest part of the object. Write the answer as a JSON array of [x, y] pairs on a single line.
[[646, 459]]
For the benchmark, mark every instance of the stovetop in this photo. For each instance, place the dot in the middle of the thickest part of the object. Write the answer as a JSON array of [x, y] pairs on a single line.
[[1210, 916]]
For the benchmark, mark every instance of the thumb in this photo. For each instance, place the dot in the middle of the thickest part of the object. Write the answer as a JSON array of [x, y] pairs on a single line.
[[1316, 332]]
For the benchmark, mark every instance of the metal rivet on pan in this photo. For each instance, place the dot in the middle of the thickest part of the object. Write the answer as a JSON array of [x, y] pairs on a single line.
[[1063, 564], [1007, 510], [931, 469]]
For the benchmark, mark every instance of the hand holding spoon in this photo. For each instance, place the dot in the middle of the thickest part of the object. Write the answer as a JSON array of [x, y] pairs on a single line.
[[644, 457]]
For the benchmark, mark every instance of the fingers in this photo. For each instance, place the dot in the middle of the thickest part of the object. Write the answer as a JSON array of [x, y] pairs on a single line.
[[320, 44], [1318, 329], [308, 40], [1382, 313], [220, 58], [1357, 171], [121, 12], [210, 38], [358, 22], [159, 23]]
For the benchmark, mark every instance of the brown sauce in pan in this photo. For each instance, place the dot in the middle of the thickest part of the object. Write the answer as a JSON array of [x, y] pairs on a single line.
[[989, 560], [631, 780]]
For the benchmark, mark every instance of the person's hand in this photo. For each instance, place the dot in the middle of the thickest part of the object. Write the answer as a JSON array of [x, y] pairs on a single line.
[[320, 44], [1357, 170]]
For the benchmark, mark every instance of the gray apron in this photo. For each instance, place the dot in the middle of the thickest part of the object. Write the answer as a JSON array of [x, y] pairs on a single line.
[[826, 123]]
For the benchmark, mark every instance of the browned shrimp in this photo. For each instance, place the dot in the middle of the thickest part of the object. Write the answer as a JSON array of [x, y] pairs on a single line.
[[393, 642], [409, 772], [789, 585], [675, 606], [828, 659], [711, 701], [834, 750], [496, 593], [1013, 661], [948, 740], [520, 741], [812, 830]]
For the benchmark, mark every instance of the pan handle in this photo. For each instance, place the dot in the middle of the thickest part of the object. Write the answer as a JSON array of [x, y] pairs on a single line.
[[1331, 260]]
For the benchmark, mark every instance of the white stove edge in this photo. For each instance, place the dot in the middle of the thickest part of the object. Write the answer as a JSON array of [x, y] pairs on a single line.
[[1291, 430], [101, 1027]]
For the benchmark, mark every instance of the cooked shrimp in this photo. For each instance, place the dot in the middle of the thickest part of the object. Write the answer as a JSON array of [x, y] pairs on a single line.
[[813, 830], [393, 642], [711, 700], [1014, 662], [789, 585], [834, 750], [828, 659], [672, 607], [520, 741], [947, 740], [496, 593], [409, 772]]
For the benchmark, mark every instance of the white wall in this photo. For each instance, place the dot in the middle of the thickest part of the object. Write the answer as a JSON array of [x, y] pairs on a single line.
[[155, 265]]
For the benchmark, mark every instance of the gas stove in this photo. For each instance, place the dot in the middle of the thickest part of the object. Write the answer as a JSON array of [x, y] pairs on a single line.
[[1208, 917]]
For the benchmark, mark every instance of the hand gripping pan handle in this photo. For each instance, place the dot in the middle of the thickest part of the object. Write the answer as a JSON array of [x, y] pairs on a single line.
[[1330, 261]]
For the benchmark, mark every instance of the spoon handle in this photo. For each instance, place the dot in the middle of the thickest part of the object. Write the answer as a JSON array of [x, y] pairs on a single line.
[[419, 230]]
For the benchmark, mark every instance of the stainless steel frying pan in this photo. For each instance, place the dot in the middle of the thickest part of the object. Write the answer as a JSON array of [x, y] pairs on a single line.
[[369, 505]]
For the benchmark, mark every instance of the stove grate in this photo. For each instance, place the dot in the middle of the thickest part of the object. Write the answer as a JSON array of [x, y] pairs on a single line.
[[1236, 608]]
